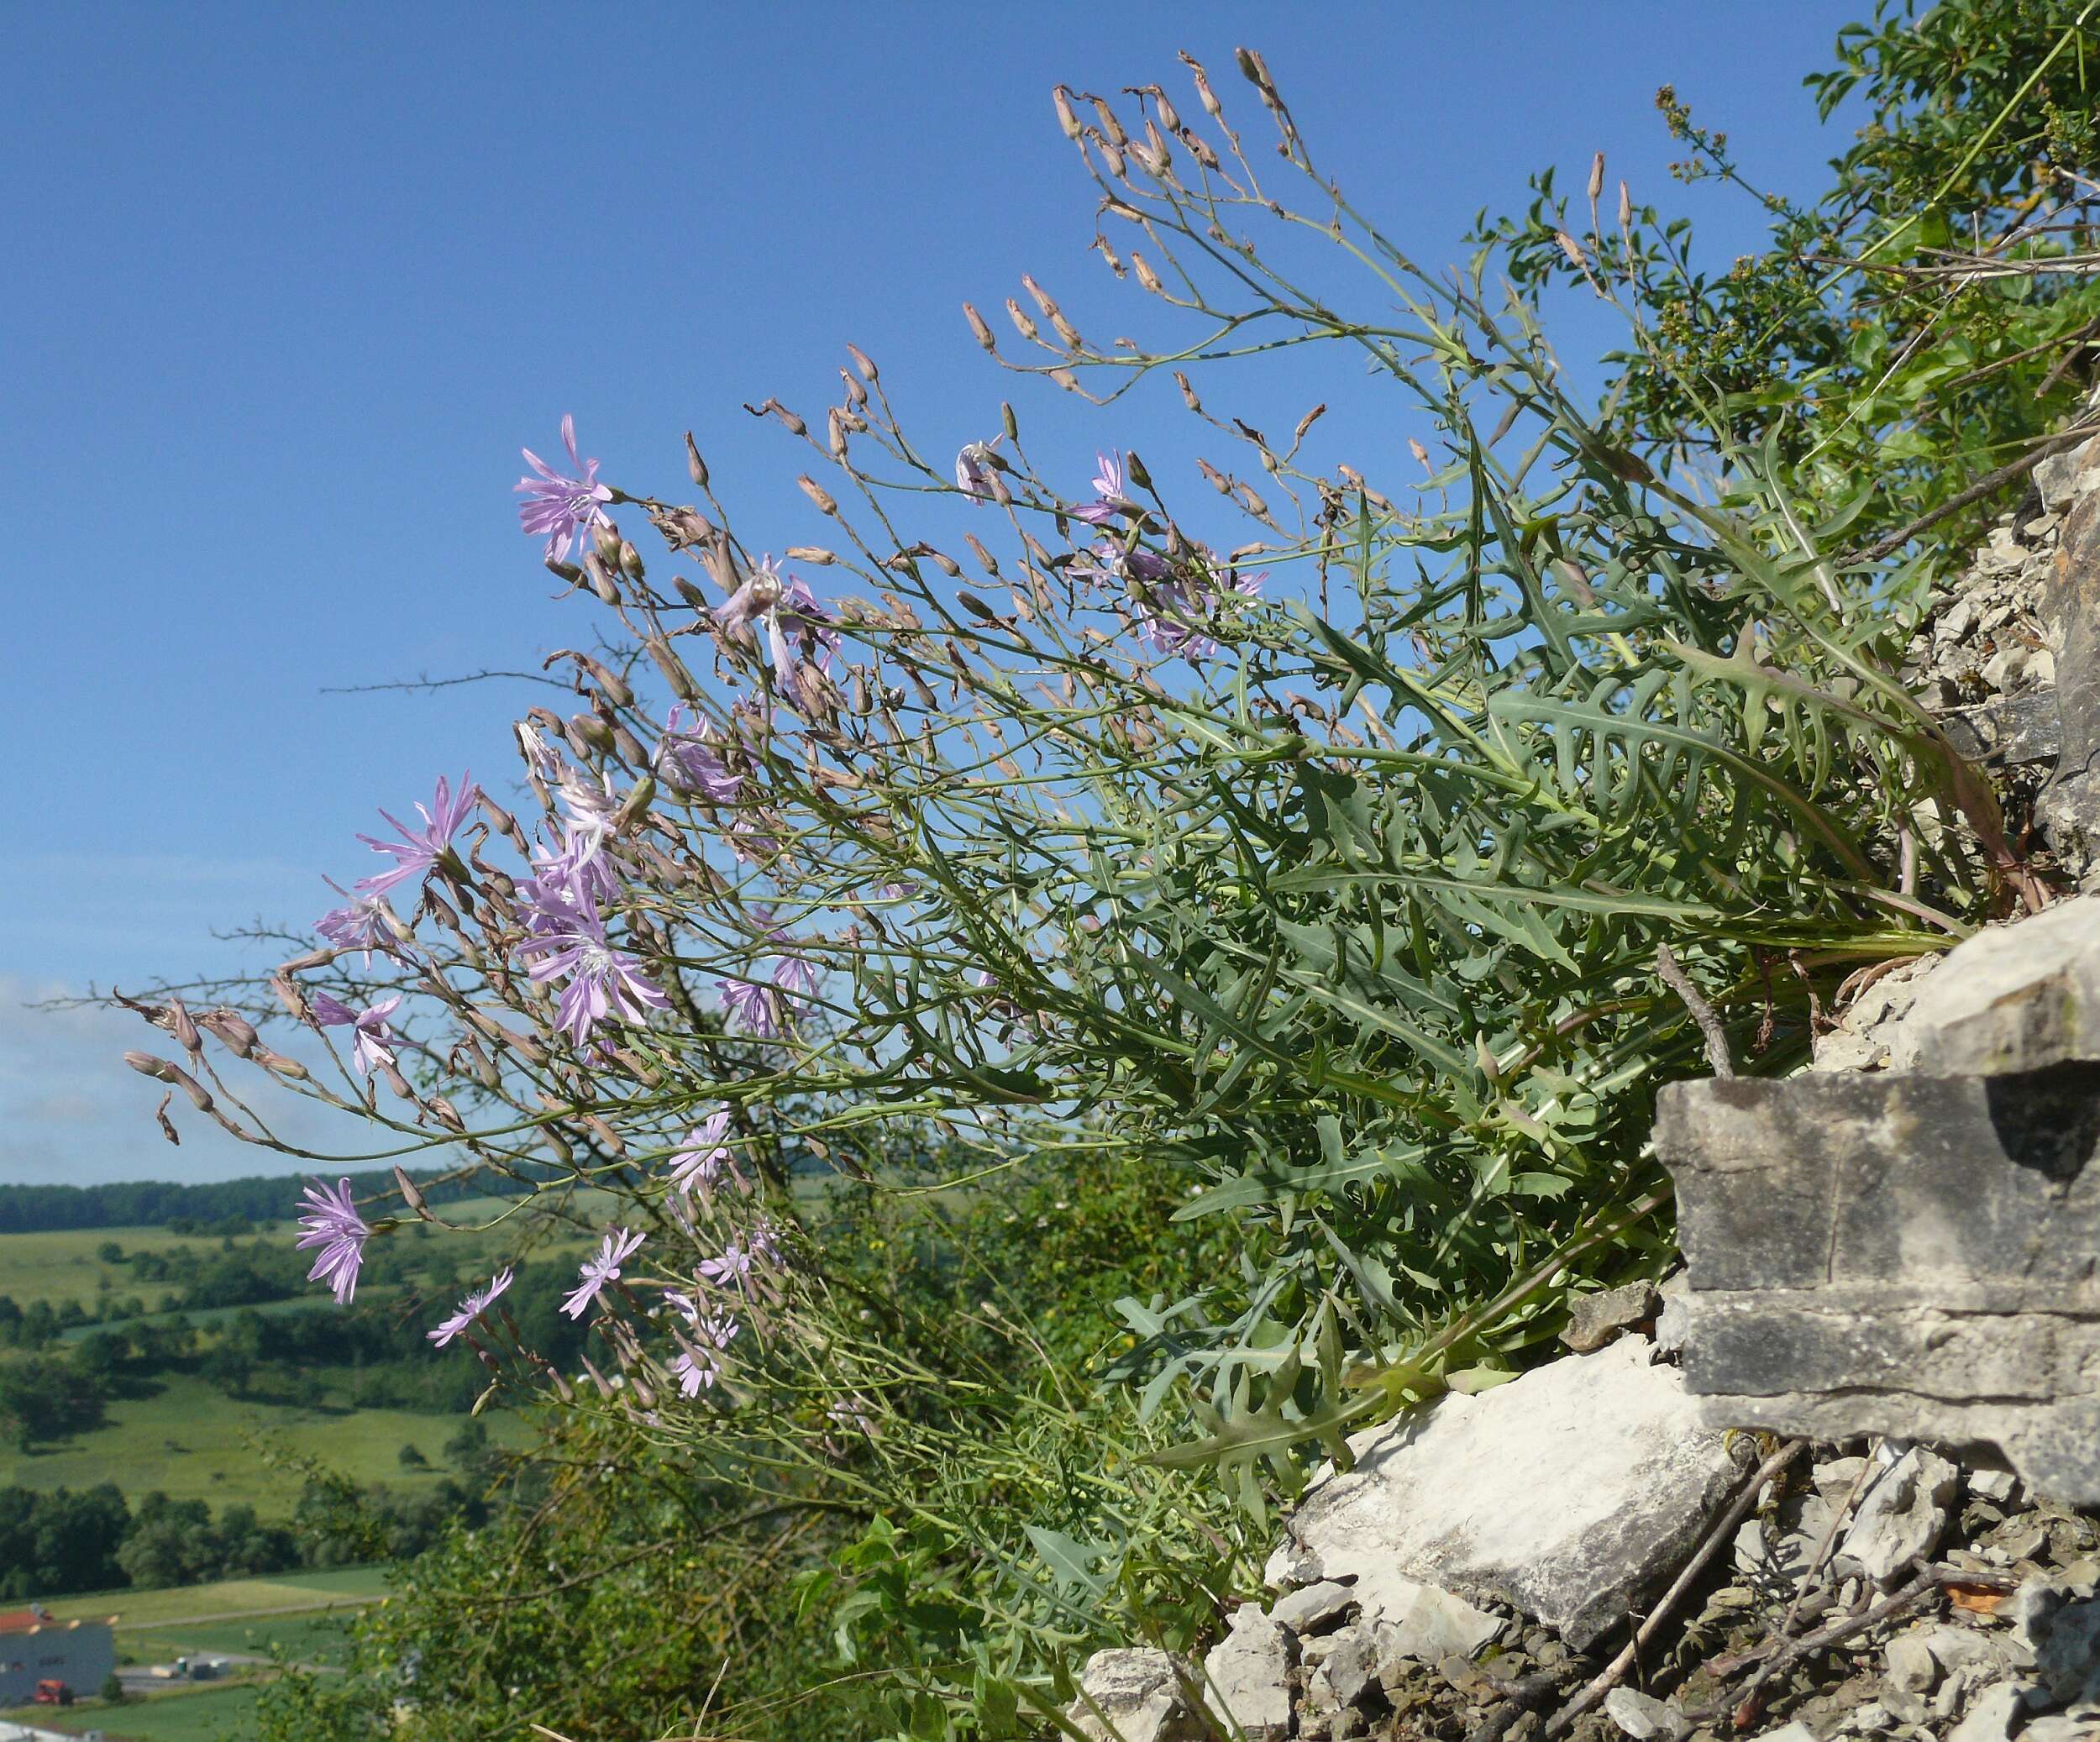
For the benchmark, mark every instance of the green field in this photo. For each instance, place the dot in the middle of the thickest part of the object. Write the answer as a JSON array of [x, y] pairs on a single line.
[[193, 1605], [200, 1714], [187, 1440], [61, 1266]]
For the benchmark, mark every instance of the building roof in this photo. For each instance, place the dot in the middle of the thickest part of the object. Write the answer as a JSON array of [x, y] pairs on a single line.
[[20, 1620]]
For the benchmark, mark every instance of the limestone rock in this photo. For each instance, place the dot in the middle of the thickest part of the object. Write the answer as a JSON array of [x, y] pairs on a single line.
[[2068, 1661], [1910, 1665], [1902, 1518], [1991, 1716], [1136, 1697], [1433, 1626], [1903, 1255], [1313, 1608], [1643, 1717], [1352, 1668], [1594, 1320], [1572, 1493], [2017, 998], [1247, 1674]]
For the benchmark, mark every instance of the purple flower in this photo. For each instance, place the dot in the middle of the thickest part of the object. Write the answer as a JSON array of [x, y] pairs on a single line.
[[797, 980], [731, 1269], [601, 1268], [973, 468], [1109, 498], [697, 1364], [361, 923], [559, 506], [477, 1303], [703, 1157], [603, 982], [332, 1223], [760, 1011], [369, 1049], [420, 849], [797, 629], [688, 758]]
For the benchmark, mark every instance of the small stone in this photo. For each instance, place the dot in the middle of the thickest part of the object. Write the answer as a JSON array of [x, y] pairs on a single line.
[[1317, 1648], [1139, 1696], [1991, 1718], [1351, 1667], [1999, 1485], [1902, 1518], [1435, 1626], [1595, 1320], [2068, 1658], [2025, 1543], [1314, 1608], [1247, 1673], [1870, 1720], [2041, 669], [1643, 1717], [1910, 1663], [1795, 1732], [1836, 1479]]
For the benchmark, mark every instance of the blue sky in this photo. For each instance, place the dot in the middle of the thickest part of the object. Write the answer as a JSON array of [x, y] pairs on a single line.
[[289, 286]]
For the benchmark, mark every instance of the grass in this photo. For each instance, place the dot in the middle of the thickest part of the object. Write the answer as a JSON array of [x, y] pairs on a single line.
[[208, 1714], [223, 1598], [321, 1638], [187, 1440], [60, 1265]]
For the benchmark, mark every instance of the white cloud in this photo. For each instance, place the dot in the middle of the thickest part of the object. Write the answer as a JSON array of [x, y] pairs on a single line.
[[73, 1112]]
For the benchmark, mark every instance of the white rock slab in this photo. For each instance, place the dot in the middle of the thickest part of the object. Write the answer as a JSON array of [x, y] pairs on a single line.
[[1247, 1674], [1572, 1493]]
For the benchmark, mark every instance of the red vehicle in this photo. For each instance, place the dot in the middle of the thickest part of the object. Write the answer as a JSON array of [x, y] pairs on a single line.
[[53, 1693]]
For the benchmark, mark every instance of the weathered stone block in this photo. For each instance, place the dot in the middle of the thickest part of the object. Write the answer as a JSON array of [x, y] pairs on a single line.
[[1918, 1257]]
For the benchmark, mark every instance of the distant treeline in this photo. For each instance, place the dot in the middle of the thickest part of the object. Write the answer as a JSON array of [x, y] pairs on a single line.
[[225, 1206]]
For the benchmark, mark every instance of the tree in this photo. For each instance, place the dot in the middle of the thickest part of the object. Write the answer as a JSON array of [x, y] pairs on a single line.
[[42, 1398], [412, 1458]]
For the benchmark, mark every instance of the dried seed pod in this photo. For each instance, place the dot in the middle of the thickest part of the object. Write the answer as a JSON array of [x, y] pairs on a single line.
[[1061, 99], [818, 494], [1022, 324], [862, 362], [694, 464], [977, 326]]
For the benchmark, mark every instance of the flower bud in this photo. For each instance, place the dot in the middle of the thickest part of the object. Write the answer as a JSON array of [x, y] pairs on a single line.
[[183, 1029], [1061, 99], [1625, 207], [234, 1030], [146, 1063], [1134, 469], [691, 594], [694, 464], [1022, 324], [565, 571], [294, 1006], [835, 433], [862, 362], [587, 732], [818, 494], [606, 541], [630, 561], [635, 806], [279, 1066], [409, 1193]]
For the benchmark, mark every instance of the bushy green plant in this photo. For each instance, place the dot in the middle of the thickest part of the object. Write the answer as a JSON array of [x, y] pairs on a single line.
[[1336, 878]]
